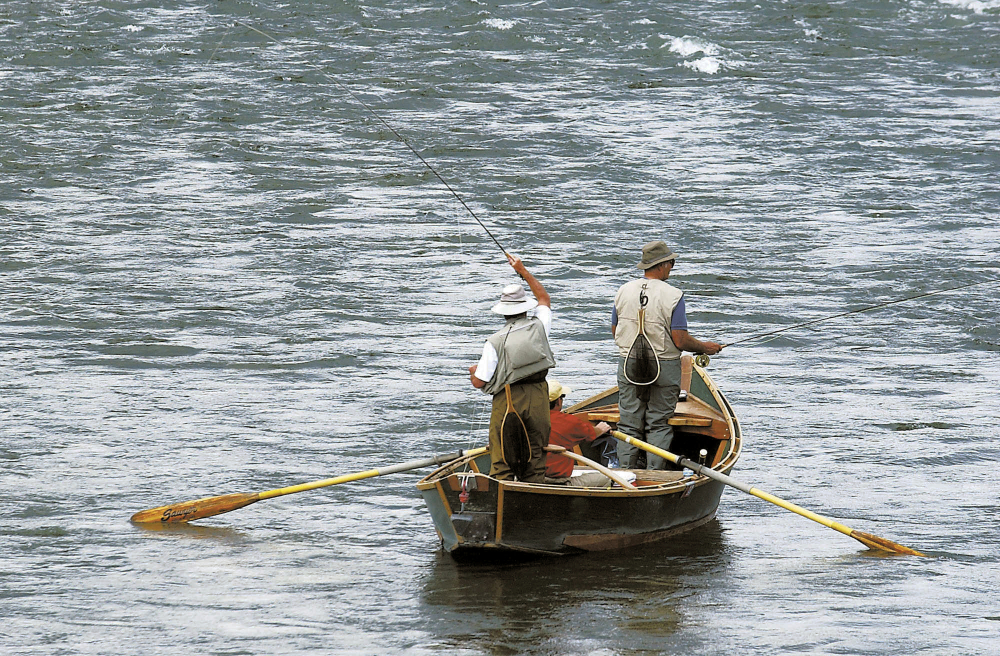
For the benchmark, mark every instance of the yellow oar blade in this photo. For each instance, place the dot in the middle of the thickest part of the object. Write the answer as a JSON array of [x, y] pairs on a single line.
[[199, 508]]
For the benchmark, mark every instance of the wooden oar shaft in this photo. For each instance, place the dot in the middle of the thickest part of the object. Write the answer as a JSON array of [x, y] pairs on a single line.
[[869, 540], [210, 506], [613, 475]]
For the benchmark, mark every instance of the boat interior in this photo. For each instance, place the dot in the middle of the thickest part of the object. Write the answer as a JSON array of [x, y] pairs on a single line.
[[702, 422]]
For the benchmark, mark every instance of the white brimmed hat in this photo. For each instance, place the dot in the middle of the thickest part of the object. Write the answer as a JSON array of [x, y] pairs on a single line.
[[557, 389], [514, 300]]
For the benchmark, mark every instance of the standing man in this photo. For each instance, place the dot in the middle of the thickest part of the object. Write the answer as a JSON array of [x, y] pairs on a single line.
[[645, 409], [519, 355]]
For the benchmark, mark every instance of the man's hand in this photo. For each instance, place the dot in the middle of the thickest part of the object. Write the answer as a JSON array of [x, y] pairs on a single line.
[[711, 348], [517, 265], [602, 428], [685, 342]]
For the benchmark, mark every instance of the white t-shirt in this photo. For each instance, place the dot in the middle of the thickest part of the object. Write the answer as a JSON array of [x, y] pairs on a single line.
[[488, 362]]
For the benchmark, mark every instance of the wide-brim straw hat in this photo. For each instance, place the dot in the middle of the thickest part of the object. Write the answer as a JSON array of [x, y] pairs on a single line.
[[654, 253], [514, 300], [557, 389]]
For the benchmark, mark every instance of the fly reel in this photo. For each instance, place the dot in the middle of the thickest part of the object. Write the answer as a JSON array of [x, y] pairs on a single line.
[[702, 360]]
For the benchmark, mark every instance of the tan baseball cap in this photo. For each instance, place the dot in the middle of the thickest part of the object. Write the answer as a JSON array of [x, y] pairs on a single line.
[[557, 389]]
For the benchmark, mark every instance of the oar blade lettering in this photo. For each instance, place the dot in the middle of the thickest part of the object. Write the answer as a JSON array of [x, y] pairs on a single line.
[[198, 509]]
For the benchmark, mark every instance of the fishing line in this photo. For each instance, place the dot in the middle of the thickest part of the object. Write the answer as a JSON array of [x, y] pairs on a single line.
[[864, 309], [177, 118], [387, 126], [480, 409]]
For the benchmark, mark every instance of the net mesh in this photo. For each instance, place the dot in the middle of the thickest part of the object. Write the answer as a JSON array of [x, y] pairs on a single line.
[[641, 367], [514, 444]]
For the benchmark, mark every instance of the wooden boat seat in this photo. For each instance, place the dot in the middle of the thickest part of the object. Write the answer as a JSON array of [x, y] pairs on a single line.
[[676, 420]]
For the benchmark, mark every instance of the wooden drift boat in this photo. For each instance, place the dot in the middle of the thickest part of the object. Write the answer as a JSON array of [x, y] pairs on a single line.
[[475, 514]]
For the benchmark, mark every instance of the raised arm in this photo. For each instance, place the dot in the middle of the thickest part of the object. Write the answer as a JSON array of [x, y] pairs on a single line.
[[536, 288]]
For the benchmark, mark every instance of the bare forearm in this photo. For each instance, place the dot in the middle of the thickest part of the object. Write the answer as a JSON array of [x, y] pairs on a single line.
[[537, 289], [478, 384], [684, 341]]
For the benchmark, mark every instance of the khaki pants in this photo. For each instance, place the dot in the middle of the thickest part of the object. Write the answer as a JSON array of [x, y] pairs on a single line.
[[532, 403], [643, 412], [586, 479]]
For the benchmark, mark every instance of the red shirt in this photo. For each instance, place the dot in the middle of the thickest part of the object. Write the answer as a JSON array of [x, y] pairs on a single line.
[[567, 431]]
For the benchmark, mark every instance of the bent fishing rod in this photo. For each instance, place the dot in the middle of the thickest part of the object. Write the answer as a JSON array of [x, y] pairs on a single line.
[[389, 127], [864, 309]]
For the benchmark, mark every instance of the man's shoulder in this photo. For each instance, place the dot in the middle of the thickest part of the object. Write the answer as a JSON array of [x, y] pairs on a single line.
[[661, 286], [649, 284], [635, 283], [631, 283]]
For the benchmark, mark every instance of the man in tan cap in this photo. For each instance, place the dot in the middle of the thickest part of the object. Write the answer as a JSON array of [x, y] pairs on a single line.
[[568, 431], [519, 355], [646, 406]]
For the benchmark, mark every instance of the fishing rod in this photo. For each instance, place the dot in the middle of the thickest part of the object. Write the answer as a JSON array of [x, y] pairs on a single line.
[[864, 309], [388, 127]]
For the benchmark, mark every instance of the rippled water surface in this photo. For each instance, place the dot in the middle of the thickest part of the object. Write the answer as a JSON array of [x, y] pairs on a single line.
[[221, 272]]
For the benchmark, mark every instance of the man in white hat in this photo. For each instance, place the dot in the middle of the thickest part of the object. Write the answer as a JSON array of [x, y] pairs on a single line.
[[519, 355], [645, 409]]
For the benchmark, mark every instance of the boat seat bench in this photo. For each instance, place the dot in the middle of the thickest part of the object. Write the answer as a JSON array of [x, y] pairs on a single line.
[[673, 421]]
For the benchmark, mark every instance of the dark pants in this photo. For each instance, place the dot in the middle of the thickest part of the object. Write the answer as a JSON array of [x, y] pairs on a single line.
[[644, 411], [531, 402]]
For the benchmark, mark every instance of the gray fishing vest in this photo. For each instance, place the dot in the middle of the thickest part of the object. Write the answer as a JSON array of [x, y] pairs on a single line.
[[663, 298], [522, 350]]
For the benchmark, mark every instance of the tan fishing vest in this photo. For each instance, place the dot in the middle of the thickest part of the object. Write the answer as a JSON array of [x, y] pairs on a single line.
[[663, 298], [522, 349]]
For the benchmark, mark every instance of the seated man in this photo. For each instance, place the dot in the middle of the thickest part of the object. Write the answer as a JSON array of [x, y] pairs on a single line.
[[568, 431]]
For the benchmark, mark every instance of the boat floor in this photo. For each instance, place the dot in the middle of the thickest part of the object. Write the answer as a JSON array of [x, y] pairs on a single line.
[[654, 476]]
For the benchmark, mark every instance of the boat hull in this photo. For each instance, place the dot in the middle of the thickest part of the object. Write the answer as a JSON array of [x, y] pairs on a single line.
[[537, 520]]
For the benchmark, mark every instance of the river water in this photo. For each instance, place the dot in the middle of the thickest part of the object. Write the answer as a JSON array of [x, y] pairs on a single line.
[[220, 273]]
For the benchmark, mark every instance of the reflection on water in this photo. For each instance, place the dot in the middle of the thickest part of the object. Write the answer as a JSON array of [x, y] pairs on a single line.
[[512, 607], [222, 533]]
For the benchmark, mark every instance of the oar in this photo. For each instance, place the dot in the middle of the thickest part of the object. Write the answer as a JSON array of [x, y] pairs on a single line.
[[613, 475], [209, 506], [867, 539]]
